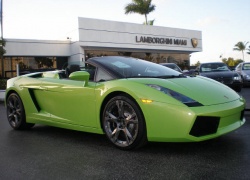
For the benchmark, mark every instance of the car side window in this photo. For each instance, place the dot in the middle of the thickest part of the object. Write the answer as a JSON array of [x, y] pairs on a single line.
[[101, 75]]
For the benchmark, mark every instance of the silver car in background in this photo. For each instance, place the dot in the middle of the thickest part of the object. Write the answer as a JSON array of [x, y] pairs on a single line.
[[244, 70]]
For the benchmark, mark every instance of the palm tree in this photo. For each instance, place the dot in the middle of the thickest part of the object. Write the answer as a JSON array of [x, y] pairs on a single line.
[[248, 50], [240, 46], [151, 23], [143, 7], [2, 44]]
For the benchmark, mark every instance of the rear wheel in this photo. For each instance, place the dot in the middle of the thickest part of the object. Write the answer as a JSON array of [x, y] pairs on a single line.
[[16, 113], [124, 123]]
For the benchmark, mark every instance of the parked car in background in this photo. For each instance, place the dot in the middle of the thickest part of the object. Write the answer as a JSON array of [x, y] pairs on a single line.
[[172, 66], [220, 72], [190, 72], [244, 71]]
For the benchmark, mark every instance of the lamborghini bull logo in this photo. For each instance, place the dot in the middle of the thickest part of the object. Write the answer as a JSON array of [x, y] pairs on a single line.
[[194, 42]]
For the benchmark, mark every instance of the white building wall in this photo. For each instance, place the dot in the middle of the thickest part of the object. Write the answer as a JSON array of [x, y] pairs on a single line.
[[97, 34], [77, 52], [22, 47], [110, 34]]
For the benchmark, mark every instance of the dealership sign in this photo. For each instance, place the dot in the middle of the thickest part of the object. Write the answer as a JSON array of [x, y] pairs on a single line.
[[154, 40]]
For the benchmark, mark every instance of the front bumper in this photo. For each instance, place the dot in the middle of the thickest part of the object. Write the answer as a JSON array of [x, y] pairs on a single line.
[[169, 123], [235, 84], [246, 81]]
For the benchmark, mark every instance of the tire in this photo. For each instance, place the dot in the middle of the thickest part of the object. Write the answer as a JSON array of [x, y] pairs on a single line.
[[123, 123], [16, 113]]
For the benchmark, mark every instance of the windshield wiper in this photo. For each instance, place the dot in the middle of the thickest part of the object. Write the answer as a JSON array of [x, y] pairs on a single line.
[[172, 76]]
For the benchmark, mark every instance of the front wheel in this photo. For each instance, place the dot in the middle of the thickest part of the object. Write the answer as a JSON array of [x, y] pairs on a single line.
[[16, 114], [123, 123]]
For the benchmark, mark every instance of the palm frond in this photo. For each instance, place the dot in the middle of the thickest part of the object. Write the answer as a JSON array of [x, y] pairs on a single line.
[[142, 7]]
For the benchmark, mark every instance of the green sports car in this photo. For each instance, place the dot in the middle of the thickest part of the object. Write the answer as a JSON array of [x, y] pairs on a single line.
[[130, 100]]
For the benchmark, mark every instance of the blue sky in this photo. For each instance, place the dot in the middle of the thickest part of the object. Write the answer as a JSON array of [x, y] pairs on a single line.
[[223, 22]]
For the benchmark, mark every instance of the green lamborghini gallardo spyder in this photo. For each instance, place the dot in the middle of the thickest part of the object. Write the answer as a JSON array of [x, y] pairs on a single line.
[[130, 100]]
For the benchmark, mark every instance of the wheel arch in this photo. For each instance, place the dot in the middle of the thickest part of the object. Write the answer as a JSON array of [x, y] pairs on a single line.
[[9, 93], [113, 94], [21, 123]]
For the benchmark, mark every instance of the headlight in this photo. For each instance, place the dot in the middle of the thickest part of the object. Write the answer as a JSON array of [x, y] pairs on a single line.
[[180, 97], [247, 76], [237, 77]]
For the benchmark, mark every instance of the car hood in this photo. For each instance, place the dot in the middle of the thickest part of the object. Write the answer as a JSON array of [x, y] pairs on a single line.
[[204, 90], [215, 75], [246, 72]]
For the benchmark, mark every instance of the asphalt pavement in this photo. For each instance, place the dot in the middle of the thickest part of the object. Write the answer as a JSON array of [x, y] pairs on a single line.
[[52, 153]]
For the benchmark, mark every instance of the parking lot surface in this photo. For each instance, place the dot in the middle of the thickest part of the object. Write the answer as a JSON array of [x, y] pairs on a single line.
[[52, 153]]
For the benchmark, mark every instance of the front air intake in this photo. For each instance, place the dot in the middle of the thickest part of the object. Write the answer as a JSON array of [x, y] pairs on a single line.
[[205, 125], [242, 115]]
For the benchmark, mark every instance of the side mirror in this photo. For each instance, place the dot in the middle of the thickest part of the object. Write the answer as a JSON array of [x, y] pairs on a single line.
[[80, 76]]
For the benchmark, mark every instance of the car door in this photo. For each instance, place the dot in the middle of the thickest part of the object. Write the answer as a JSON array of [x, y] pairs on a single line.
[[69, 101]]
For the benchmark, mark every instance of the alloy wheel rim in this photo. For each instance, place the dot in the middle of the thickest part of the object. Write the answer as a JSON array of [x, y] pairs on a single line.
[[121, 123], [14, 111]]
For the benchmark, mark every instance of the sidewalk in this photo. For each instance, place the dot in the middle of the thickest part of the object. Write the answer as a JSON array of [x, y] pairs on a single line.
[[2, 94]]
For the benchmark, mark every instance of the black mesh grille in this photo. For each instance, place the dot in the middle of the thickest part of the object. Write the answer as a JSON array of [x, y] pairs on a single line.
[[205, 125]]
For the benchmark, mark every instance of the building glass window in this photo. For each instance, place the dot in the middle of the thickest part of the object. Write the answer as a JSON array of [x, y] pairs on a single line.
[[27, 65], [7, 67]]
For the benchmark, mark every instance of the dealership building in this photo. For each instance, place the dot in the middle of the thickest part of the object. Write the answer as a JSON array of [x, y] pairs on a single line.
[[102, 38]]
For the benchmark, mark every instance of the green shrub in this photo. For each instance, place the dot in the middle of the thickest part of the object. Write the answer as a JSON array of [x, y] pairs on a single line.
[[3, 83]]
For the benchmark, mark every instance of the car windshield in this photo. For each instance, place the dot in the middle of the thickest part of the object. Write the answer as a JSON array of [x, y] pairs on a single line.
[[172, 66], [212, 67], [136, 68], [246, 67]]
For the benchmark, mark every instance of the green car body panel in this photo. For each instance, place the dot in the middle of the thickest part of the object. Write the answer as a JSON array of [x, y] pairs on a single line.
[[78, 104]]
